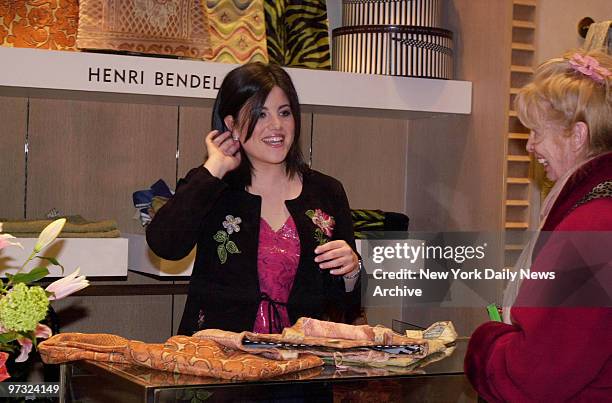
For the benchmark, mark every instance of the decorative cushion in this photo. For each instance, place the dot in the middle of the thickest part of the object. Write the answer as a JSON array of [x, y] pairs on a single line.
[[297, 33], [237, 30], [164, 27], [48, 24]]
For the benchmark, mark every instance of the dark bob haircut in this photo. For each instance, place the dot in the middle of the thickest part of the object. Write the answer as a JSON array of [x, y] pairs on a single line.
[[248, 87]]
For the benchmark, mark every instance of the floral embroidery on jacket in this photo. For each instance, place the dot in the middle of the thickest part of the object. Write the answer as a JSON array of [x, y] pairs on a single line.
[[325, 225], [226, 246]]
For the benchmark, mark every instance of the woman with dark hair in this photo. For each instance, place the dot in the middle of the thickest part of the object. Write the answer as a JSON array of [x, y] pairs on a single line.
[[274, 238]]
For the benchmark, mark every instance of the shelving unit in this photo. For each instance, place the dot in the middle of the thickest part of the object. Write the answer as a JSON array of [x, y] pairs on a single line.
[[518, 171], [189, 82]]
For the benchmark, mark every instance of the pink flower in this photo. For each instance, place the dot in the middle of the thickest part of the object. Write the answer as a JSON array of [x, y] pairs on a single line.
[[324, 221], [3, 372], [590, 67], [26, 347], [68, 285], [4, 241], [41, 332]]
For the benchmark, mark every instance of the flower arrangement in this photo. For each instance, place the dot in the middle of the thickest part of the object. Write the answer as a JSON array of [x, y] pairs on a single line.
[[24, 305]]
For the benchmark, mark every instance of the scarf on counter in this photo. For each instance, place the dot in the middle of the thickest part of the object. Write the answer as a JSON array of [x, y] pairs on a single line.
[[342, 344]]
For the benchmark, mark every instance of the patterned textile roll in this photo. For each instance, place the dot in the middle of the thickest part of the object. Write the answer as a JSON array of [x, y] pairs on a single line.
[[237, 31], [297, 33], [49, 24], [425, 13], [170, 27], [394, 50]]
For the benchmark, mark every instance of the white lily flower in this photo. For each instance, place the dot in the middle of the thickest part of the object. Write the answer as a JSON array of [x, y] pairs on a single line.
[[68, 285], [49, 234]]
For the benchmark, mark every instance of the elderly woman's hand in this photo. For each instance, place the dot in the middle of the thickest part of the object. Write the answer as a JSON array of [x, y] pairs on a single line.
[[223, 153], [337, 256]]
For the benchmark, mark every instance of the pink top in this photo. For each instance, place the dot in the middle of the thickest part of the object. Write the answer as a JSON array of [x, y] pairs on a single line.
[[278, 256]]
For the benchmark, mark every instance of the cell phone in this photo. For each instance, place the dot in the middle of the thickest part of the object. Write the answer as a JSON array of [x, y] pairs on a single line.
[[493, 313]]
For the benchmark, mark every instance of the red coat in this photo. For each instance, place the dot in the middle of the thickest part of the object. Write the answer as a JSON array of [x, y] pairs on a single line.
[[554, 354]]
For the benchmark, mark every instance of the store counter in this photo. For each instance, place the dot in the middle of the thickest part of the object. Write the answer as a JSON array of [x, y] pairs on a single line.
[[104, 382]]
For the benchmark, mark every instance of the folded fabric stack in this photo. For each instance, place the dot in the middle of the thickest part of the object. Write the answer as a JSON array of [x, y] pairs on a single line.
[[252, 356], [365, 222], [75, 227], [149, 201], [341, 344], [237, 31], [49, 24], [179, 354], [293, 32]]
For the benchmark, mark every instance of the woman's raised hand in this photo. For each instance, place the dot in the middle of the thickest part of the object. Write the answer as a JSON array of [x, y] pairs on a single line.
[[337, 257], [223, 153]]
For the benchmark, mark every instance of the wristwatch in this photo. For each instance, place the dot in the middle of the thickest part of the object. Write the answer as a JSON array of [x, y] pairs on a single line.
[[355, 273]]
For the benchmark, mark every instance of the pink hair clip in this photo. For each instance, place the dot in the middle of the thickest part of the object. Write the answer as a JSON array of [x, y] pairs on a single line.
[[590, 67]]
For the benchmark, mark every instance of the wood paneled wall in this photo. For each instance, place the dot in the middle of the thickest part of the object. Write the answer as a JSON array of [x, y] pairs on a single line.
[[13, 121]]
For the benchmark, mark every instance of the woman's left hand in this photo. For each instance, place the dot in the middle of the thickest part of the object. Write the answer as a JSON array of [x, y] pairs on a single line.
[[338, 256]]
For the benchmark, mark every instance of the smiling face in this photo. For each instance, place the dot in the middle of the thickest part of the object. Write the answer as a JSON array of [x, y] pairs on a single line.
[[554, 147], [273, 133]]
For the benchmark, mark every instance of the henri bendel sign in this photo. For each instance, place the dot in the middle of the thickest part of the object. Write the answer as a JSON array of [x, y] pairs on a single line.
[[156, 78]]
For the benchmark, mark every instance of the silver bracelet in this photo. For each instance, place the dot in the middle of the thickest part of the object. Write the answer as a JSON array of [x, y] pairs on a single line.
[[352, 276]]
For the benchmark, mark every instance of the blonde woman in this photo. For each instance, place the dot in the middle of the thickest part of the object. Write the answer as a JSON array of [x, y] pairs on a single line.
[[555, 345]]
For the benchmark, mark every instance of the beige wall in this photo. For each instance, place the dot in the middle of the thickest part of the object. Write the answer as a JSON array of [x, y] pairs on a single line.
[[557, 22]]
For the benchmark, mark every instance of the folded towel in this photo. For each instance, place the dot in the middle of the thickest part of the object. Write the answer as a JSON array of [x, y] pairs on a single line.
[[74, 224], [106, 234]]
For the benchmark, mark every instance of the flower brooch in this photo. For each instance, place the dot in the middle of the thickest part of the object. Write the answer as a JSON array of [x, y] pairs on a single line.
[[226, 246], [325, 225]]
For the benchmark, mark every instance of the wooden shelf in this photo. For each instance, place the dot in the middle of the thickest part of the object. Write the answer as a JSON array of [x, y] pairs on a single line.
[[521, 69], [517, 203], [517, 225], [528, 3], [518, 136], [523, 24], [518, 181], [512, 114], [514, 247], [523, 46], [174, 81], [519, 158]]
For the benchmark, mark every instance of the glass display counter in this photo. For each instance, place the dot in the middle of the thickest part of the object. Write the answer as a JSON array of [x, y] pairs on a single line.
[[87, 381]]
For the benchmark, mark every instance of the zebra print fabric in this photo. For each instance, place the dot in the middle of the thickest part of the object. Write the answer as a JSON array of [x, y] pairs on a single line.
[[297, 33]]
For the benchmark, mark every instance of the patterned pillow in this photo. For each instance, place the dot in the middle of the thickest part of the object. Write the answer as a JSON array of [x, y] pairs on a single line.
[[164, 27], [49, 24]]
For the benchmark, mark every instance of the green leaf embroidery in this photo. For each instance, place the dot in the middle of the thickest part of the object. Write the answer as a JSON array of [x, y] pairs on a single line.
[[231, 247], [310, 213], [34, 275], [222, 253], [220, 236]]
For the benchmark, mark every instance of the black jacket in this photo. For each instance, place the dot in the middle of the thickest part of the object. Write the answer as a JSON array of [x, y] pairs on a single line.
[[227, 295]]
